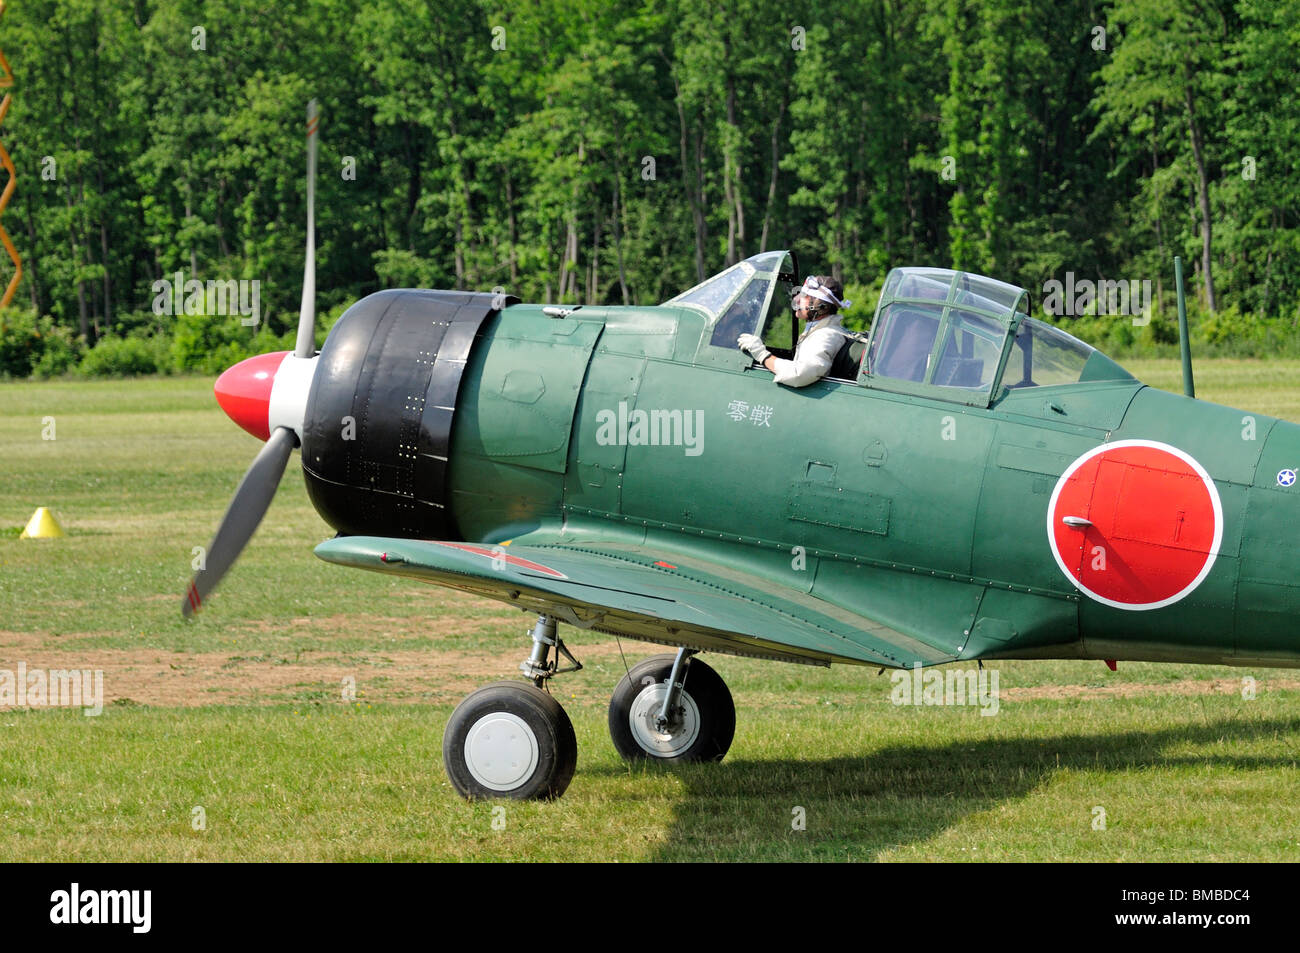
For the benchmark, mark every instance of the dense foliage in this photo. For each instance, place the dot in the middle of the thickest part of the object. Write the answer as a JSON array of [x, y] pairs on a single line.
[[619, 151]]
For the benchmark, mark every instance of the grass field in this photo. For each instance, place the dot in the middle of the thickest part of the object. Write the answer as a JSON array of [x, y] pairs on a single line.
[[241, 714]]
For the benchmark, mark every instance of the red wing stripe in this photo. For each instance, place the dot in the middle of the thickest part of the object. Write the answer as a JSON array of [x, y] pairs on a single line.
[[494, 554]]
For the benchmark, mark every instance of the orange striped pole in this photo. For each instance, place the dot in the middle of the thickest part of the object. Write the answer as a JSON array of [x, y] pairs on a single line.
[[7, 81]]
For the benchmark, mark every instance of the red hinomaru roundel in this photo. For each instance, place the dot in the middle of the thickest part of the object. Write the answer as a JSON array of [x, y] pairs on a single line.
[[1135, 524]]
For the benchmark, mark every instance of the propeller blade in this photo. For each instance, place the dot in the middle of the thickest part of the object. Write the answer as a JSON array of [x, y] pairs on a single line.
[[306, 343], [247, 507]]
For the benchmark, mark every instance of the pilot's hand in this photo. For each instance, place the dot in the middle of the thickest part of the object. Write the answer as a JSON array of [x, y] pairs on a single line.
[[752, 345]]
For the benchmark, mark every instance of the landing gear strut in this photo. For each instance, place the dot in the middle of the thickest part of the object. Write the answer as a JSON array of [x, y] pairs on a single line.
[[536, 666]]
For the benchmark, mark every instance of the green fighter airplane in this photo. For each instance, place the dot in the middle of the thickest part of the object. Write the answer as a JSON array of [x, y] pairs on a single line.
[[967, 483]]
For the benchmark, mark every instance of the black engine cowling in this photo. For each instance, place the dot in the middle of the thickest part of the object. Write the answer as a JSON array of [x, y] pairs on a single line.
[[377, 434]]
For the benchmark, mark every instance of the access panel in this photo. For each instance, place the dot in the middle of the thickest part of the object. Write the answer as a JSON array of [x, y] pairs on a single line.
[[528, 391]]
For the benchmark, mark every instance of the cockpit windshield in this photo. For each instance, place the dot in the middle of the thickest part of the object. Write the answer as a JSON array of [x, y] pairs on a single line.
[[743, 298], [714, 294]]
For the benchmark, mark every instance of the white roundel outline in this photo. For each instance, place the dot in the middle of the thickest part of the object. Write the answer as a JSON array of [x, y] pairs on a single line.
[[1214, 500]]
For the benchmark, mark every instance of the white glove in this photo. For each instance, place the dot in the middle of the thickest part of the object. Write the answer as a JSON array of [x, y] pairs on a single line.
[[752, 345]]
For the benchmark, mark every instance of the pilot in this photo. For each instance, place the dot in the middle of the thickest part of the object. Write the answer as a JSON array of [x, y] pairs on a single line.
[[819, 303]]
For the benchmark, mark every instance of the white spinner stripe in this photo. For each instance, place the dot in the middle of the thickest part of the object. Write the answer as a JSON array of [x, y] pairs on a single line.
[[289, 392]]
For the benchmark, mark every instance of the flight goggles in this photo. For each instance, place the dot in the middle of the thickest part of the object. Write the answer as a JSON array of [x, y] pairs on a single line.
[[815, 289]]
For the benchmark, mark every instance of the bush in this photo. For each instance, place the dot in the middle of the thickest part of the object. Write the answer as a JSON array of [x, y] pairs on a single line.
[[60, 353], [1161, 329], [325, 321], [210, 343], [125, 357], [142, 324], [1120, 338], [399, 268], [864, 298], [21, 342], [35, 345]]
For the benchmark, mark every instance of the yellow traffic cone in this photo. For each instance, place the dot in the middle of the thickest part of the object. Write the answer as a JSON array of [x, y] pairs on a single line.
[[42, 525]]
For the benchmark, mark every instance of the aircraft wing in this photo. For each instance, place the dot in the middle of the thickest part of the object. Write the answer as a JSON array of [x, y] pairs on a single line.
[[629, 590]]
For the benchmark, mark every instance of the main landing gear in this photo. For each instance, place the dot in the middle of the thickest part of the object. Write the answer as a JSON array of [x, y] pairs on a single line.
[[653, 715], [512, 739]]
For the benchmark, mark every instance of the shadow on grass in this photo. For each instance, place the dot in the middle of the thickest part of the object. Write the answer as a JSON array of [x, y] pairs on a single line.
[[859, 807]]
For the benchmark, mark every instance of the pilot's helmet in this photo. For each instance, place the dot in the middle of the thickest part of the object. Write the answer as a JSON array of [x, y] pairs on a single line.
[[822, 295]]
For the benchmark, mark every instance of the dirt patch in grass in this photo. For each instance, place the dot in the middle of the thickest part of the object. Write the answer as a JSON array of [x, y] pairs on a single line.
[[399, 626], [468, 619], [13, 643], [254, 674], [168, 679]]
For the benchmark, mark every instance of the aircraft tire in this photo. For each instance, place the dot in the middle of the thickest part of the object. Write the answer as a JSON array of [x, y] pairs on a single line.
[[510, 740], [708, 722]]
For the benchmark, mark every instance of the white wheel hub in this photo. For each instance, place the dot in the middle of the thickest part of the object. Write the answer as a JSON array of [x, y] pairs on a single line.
[[501, 751], [681, 733]]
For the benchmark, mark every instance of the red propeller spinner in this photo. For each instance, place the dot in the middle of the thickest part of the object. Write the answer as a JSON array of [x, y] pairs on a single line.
[[244, 392]]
